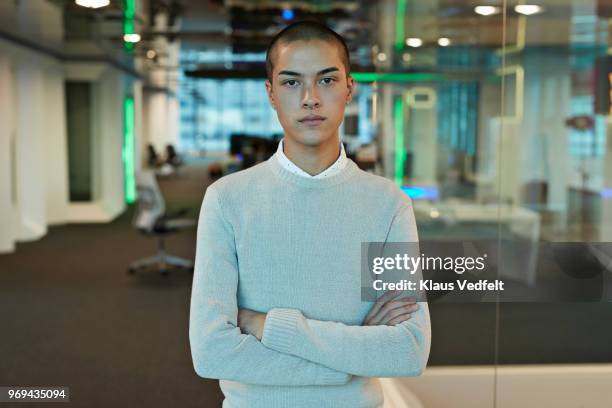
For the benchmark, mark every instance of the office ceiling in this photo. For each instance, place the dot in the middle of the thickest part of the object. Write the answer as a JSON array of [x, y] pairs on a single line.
[[248, 25], [242, 26], [202, 18]]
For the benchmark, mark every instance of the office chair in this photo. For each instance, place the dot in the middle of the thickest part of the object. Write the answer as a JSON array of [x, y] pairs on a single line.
[[172, 157], [151, 219], [153, 158], [161, 166]]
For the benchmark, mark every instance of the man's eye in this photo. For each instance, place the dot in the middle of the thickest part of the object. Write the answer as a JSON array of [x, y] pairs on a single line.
[[327, 81], [290, 82]]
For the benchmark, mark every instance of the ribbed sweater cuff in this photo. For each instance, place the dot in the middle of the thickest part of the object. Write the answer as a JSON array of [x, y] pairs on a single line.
[[333, 377], [280, 329]]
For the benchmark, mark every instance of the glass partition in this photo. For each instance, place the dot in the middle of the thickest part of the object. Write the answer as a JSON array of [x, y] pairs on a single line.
[[494, 119], [438, 114], [555, 166]]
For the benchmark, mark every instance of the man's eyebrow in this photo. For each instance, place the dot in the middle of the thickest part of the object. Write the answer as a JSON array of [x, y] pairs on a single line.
[[327, 70], [297, 74], [291, 73]]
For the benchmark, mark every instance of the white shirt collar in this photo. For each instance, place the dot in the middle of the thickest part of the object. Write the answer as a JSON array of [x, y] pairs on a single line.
[[335, 168]]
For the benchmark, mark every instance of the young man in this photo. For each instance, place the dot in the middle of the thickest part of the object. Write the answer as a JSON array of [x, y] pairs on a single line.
[[276, 308]]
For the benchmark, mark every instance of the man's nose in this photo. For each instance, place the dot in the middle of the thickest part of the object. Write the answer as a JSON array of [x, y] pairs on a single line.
[[310, 100]]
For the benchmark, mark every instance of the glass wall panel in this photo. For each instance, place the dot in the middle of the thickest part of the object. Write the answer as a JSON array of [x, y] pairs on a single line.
[[438, 97], [556, 168]]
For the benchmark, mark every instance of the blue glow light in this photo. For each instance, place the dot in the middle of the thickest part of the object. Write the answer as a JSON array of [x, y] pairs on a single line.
[[606, 193], [288, 14], [421, 192]]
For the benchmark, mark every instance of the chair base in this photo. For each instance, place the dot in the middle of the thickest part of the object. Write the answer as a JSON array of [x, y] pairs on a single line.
[[162, 261]]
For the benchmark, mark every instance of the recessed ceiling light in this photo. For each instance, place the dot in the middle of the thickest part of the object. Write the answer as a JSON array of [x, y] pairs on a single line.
[[92, 3], [131, 38], [382, 57], [414, 42], [151, 54], [528, 9], [406, 57], [486, 10], [443, 42]]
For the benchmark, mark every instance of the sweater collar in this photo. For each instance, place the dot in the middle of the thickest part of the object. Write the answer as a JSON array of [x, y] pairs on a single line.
[[335, 168], [349, 170]]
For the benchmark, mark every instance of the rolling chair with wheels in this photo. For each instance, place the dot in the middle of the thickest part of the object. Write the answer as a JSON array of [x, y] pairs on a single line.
[[151, 219]]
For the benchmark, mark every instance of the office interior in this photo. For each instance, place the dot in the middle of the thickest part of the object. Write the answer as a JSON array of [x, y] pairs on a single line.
[[493, 116]]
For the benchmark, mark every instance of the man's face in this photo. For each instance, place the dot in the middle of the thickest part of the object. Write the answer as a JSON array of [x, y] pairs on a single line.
[[309, 90]]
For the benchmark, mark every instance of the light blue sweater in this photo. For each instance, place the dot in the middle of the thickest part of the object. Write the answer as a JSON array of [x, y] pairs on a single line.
[[275, 242]]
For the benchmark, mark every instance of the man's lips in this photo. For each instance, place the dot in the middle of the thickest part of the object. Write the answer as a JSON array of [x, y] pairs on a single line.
[[312, 119]]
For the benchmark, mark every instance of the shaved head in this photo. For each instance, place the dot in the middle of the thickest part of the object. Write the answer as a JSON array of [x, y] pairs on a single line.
[[306, 31]]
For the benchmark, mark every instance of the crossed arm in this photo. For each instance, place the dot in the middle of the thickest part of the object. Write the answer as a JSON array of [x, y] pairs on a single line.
[[285, 347], [377, 350]]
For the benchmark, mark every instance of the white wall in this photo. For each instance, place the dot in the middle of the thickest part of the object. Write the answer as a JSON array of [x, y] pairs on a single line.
[[31, 221], [139, 112], [7, 241], [34, 183], [109, 143], [107, 164], [55, 147], [33, 178]]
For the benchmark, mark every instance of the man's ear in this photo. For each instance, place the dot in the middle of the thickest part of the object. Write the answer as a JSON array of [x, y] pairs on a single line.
[[352, 88], [270, 94]]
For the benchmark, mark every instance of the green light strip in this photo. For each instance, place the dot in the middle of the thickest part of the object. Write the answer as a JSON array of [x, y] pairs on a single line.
[[400, 149], [397, 77], [130, 12], [128, 150], [400, 17], [128, 26], [128, 21]]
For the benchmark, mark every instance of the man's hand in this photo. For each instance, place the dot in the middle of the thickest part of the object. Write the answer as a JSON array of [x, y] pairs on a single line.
[[387, 311], [251, 322]]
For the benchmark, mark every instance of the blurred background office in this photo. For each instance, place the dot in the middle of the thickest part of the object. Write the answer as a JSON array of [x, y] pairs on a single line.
[[492, 115]]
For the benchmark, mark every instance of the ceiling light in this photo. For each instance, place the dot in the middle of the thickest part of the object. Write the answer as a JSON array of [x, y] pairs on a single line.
[[528, 9], [288, 14], [443, 42], [131, 38], [414, 42], [406, 57], [382, 57], [486, 10], [92, 3], [151, 54]]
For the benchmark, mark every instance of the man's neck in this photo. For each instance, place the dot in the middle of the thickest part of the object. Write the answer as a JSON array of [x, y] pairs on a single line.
[[312, 159]]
